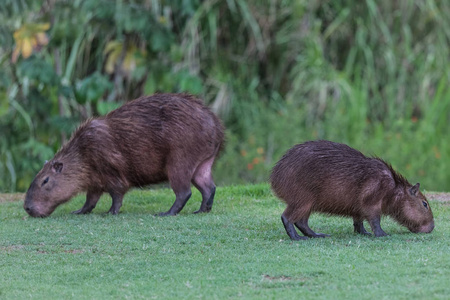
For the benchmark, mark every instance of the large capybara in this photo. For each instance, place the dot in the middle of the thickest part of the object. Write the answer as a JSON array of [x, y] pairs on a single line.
[[332, 178], [153, 139]]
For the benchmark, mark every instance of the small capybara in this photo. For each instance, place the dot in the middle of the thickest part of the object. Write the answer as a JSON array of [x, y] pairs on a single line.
[[164, 137], [333, 178]]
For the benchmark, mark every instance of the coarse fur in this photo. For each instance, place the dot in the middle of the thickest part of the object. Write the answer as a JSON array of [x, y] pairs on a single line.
[[164, 137], [333, 178]]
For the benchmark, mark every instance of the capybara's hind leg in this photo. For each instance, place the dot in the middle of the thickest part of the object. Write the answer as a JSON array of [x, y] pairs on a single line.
[[91, 201], [181, 186], [359, 227], [181, 197], [304, 228], [117, 199], [290, 230], [203, 181]]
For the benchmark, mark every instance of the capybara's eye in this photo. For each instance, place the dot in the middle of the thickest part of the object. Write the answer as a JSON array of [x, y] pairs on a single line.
[[45, 181], [425, 204]]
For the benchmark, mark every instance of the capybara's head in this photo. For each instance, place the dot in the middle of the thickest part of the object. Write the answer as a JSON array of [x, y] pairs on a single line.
[[415, 212], [51, 187]]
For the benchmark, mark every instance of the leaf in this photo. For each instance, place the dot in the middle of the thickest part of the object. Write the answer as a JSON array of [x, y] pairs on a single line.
[[27, 48], [160, 41], [42, 38], [92, 88], [112, 45], [4, 104], [133, 57], [38, 70], [29, 37]]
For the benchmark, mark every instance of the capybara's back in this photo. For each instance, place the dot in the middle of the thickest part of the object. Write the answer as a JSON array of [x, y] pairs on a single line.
[[333, 178], [164, 137]]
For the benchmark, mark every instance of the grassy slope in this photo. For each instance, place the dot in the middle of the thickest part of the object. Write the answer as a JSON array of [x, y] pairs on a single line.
[[238, 250]]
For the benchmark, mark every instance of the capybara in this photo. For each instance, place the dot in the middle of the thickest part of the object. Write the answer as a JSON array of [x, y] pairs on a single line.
[[333, 178], [164, 137]]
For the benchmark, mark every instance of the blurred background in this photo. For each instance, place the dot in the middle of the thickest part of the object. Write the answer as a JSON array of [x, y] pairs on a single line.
[[372, 74]]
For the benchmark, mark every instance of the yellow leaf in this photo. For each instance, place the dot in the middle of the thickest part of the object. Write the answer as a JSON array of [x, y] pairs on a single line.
[[162, 20], [111, 61], [27, 48], [42, 38], [28, 37], [17, 34], [33, 42], [114, 49], [40, 26], [113, 45], [129, 64]]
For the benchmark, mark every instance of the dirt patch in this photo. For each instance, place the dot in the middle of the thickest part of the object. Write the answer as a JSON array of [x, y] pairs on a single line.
[[277, 278], [11, 197], [443, 197], [74, 251], [12, 248]]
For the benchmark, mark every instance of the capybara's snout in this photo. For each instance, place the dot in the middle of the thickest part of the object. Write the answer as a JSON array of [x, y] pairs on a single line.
[[427, 228], [32, 211]]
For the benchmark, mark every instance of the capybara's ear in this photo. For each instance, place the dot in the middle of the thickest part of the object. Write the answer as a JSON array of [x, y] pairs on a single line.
[[414, 190], [57, 167]]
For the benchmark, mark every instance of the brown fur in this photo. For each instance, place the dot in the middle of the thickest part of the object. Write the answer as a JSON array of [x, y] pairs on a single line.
[[332, 178], [164, 137]]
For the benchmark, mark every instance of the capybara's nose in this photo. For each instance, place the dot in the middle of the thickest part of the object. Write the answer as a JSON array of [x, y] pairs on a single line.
[[430, 227], [27, 209]]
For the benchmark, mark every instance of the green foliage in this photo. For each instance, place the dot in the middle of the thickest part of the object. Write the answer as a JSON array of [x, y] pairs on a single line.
[[238, 250], [92, 88], [373, 74]]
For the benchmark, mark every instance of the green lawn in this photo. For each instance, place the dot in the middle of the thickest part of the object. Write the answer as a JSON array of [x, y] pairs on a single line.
[[239, 250]]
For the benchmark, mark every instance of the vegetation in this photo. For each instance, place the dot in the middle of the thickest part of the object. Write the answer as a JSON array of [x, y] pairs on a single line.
[[240, 249], [373, 74]]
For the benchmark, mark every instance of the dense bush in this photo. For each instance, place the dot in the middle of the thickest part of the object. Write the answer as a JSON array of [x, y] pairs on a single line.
[[373, 74]]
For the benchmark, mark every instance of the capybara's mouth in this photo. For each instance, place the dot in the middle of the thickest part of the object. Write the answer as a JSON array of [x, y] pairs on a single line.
[[34, 213], [423, 228], [427, 228], [37, 215]]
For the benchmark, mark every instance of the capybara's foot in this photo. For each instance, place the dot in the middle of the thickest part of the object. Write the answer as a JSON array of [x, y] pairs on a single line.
[[380, 233], [81, 211], [365, 233], [205, 210], [78, 212], [359, 228], [113, 211], [299, 238], [165, 214], [290, 230], [320, 235]]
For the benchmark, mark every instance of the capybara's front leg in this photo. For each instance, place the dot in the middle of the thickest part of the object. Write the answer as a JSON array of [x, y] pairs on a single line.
[[376, 227], [91, 201], [117, 199], [290, 230], [358, 225]]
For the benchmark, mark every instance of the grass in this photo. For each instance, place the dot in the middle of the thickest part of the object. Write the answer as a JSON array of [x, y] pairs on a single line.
[[239, 250]]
